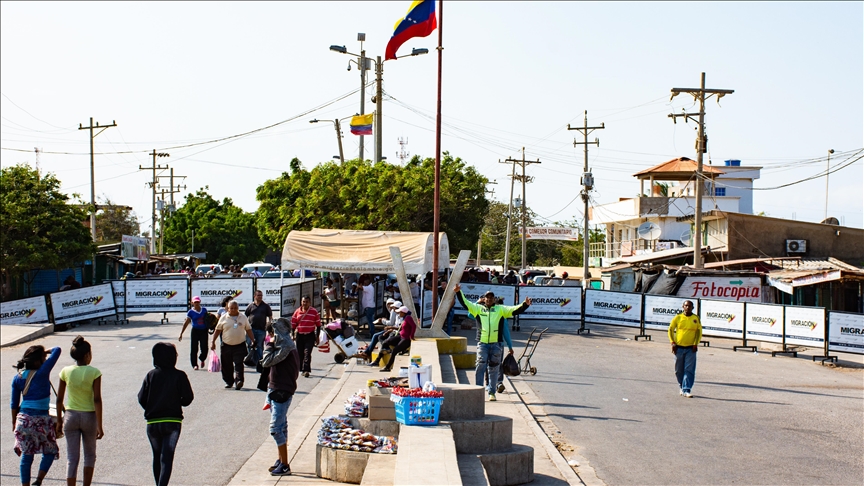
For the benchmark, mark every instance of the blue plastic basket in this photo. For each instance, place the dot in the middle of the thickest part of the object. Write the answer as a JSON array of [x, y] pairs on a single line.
[[418, 411]]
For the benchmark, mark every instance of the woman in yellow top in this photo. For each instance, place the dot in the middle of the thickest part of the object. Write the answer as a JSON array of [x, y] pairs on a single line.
[[685, 332], [83, 417]]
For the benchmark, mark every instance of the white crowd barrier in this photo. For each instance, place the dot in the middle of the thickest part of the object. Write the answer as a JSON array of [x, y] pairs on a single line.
[[32, 310]]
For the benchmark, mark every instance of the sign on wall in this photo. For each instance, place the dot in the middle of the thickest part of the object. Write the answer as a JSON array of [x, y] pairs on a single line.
[[561, 303], [473, 292], [213, 290], [552, 233], [659, 310], [805, 326], [617, 308], [722, 318], [32, 310], [135, 248], [765, 322], [846, 332], [739, 289], [81, 304], [426, 306], [157, 295]]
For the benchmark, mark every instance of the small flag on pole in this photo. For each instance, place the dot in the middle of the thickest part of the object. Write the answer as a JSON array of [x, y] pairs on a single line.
[[419, 22], [362, 124]]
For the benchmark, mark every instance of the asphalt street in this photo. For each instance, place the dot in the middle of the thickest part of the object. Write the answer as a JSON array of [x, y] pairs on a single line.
[[754, 419], [221, 428]]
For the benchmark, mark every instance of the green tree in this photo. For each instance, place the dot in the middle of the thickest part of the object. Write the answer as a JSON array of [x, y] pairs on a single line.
[[38, 228], [113, 221], [381, 196], [221, 229]]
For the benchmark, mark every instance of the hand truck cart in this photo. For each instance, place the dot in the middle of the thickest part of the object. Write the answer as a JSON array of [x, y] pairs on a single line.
[[530, 347]]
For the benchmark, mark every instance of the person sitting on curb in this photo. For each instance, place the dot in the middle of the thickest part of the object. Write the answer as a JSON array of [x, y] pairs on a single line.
[[489, 350], [402, 339]]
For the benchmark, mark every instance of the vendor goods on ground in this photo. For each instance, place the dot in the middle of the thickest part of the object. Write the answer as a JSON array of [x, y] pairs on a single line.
[[337, 433]]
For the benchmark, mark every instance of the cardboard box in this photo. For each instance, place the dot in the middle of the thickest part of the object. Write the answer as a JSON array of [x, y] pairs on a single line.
[[380, 401], [383, 413]]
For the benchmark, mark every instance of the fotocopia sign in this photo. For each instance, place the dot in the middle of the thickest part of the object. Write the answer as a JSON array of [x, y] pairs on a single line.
[[739, 289]]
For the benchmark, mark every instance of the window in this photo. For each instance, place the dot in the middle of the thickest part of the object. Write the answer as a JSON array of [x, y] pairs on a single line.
[[719, 191]]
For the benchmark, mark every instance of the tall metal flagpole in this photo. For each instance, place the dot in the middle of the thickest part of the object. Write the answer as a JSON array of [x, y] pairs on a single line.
[[437, 210]]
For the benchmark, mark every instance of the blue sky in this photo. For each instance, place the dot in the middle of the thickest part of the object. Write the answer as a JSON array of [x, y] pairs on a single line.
[[515, 74]]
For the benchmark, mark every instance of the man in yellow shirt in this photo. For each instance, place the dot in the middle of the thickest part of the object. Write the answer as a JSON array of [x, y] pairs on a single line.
[[685, 332]]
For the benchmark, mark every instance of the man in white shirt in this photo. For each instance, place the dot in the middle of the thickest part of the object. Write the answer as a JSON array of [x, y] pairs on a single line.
[[367, 303]]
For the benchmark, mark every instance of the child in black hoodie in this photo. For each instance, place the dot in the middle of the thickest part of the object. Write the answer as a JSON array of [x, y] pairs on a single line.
[[164, 393]]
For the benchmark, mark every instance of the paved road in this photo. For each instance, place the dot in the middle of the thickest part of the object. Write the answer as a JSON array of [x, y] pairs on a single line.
[[221, 430], [754, 419]]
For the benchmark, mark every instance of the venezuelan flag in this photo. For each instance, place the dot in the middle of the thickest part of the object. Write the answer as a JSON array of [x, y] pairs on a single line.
[[362, 124], [419, 22]]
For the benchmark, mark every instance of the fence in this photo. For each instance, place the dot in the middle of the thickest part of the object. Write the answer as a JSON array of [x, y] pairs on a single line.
[[748, 321]]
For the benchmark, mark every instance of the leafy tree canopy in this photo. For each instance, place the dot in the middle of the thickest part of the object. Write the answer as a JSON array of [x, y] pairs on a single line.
[[223, 230], [38, 228], [380, 196], [113, 221]]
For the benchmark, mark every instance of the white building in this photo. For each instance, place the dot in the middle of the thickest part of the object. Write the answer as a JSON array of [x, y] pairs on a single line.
[[670, 204]]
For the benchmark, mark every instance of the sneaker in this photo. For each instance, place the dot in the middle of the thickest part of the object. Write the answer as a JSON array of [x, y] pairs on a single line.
[[239, 385], [374, 363], [306, 374], [681, 392], [230, 385], [275, 465], [492, 397], [195, 368], [501, 388], [281, 470], [688, 395], [386, 370], [203, 366]]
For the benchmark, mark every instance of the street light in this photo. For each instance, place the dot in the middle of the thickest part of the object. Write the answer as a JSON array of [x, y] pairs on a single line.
[[363, 63], [336, 123]]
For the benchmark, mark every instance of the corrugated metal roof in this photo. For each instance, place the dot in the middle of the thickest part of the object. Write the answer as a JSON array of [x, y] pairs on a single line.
[[679, 165], [812, 264]]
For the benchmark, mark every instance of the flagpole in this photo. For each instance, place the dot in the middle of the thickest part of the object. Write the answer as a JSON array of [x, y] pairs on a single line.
[[437, 191]]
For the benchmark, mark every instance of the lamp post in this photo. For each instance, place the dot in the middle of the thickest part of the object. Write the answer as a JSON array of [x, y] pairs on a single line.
[[337, 124], [364, 63], [827, 170]]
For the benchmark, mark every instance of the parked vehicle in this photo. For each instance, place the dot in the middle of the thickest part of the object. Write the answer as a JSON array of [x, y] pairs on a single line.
[[275, 274], [525, 275], [208, 267], [260, 266]]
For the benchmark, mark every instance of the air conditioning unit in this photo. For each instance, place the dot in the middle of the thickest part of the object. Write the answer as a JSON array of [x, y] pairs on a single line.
[[796, 246]]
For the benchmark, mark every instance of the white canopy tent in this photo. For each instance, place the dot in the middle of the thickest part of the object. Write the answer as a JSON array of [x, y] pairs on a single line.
[[359, 251]]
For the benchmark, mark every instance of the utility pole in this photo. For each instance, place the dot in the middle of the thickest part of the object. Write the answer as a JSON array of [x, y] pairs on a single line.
[[827, 170], [379, 94], [587, 185], [170, 207], [699, 94], [93, 182], [524, 180], [362, 37], [152, 185]]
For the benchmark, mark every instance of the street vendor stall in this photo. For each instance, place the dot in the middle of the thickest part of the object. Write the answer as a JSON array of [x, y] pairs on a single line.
[[363, 252]]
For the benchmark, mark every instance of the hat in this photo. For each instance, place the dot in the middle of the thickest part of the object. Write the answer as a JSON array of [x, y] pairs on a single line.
[[565, 275], [390, 301], [403, 309], [397, 304], [196, 299], [489, 294]]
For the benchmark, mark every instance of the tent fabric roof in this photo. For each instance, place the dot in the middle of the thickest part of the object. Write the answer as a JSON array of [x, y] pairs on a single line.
[[360, 251], [681, 168]]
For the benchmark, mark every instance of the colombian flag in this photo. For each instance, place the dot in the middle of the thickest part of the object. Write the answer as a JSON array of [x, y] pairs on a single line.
[[419, 22], [362, 124]]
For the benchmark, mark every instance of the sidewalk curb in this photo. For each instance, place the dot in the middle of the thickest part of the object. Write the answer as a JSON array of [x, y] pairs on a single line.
[[43, 331], [554, 454]]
